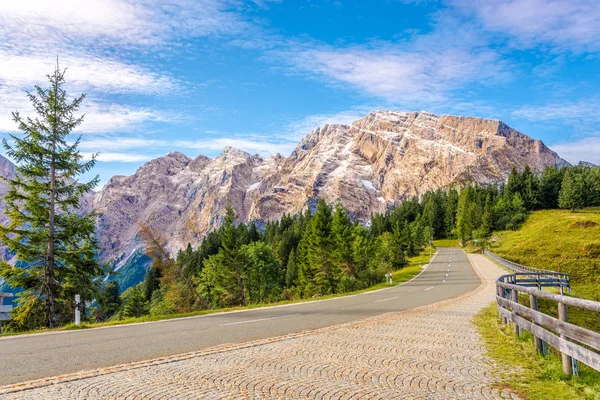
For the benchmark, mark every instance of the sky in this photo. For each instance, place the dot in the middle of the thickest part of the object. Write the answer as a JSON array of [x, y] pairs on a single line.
[[197, 75]]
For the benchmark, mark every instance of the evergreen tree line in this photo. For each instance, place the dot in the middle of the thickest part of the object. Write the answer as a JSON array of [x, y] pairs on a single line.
[[325, 252], [297, 256], [482, 210]]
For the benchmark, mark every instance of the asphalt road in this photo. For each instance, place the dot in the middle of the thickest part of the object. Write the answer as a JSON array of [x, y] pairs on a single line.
[[30, 357]]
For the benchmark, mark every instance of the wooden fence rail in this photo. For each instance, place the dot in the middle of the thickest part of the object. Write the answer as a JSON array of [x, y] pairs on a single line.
[[574, 342]]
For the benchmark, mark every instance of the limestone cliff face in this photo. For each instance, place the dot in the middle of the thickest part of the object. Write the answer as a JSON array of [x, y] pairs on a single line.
[[386, 156], [367, 166]]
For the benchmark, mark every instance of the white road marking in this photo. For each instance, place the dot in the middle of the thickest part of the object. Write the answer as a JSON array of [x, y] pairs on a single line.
[[391, 298], [258, 320], [444, 281], [429, 288]]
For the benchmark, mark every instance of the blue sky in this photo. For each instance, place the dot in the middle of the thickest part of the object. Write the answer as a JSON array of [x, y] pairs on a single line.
[[196, 76]]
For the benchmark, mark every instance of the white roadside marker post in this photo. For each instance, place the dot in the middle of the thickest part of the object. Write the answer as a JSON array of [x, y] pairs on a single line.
[[77, 312]]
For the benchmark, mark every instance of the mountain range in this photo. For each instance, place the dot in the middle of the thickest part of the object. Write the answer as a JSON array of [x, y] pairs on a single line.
[[368, 166]]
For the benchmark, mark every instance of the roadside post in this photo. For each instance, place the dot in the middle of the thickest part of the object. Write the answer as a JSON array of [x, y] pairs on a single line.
[[5, 311], [77, 312]]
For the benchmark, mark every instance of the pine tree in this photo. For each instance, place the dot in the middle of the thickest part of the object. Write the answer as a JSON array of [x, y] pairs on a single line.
[[135, 304], [52, 243], [108, 301], [319, 257], [571, 194], [531, 189], [291, 273], [341, 232], [550, 184], [515, 182]]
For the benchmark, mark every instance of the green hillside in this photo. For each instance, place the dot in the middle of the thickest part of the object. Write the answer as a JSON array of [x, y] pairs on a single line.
[[561, 241]]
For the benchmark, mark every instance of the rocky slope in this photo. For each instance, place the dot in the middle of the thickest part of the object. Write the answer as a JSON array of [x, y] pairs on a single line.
[[367, 166]]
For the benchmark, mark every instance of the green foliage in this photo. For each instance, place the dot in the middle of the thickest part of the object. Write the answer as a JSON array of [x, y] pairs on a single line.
[[54, 245], [263, 274], [572, 191], [134, 302], [108, 301]]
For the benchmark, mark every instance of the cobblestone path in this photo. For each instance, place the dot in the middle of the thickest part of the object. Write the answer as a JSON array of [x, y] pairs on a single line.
[[432, 352]]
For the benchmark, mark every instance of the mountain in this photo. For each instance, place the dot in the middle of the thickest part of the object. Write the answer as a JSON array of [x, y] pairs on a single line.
[[375, 162]]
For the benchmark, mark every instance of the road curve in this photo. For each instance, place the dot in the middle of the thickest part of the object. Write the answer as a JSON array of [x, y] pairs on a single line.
[[29, 357]]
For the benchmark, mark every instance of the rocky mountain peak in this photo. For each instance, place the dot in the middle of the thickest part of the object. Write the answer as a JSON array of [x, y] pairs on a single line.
[[375, 162], [169, 164]]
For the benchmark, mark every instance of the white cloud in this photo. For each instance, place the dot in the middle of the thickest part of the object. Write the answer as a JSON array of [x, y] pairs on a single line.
[[568, 24], [84, 73], [585, 149], [114, 118], [118, 157], [574, 112], [116, 22], [112, 143], [92, 38], [99, 117], [132, 148], [423, 71], [262, 147]]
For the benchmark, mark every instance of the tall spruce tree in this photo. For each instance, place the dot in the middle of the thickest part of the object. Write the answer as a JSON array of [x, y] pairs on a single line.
[[572, 191], [52, 242]]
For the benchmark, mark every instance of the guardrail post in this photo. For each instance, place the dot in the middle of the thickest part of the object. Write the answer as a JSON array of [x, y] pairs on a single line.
[[533, 304], [500, 293], [567, 362], [515, 298]]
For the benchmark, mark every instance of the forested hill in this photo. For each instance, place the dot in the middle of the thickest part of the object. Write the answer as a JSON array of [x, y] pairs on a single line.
[[306, 254]]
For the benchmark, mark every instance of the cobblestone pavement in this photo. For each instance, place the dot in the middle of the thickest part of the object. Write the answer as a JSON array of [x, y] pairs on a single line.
[[431, 352]]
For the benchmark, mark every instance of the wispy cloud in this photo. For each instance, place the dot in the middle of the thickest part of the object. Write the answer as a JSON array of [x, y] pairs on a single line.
[[585, 149], [118, 157], [417, 70], [571, 112], [140, 148], [99, 117], [572, 25], [117, 22], [260, 146], [92, 39], [83, 73]]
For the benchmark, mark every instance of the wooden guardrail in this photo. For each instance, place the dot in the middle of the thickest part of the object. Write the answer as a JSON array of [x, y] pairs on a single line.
[[5, 310], [574, 342], [539, 277]]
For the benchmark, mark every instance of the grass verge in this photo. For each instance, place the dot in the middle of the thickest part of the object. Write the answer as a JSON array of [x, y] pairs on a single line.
[[405, 274], [531, 376]]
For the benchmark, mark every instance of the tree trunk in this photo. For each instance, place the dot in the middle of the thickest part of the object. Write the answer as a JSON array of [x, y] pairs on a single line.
[[241, 286], [51, 317]]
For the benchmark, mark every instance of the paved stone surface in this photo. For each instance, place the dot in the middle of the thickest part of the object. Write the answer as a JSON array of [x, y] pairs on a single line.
[[432, 352]]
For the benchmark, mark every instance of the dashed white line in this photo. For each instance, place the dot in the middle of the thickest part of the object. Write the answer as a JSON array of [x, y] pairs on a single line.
[[258, 320], [391, 298], [429, 288]]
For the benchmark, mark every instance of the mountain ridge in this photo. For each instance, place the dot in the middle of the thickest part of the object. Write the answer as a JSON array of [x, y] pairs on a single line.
[[368, 166]]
